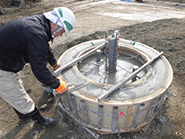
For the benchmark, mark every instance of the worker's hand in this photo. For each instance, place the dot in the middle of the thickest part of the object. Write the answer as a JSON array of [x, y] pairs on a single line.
[[57, 65], [62, 88]]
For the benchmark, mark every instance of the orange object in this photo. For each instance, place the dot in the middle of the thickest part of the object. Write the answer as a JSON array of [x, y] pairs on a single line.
[[55, 66], [62, 88]]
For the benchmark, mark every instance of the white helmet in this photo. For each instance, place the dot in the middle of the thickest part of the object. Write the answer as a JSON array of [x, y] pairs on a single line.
[[63, 17]]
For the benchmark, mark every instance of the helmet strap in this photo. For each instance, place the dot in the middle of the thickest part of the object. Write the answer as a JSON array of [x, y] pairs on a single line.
[[55, 31]]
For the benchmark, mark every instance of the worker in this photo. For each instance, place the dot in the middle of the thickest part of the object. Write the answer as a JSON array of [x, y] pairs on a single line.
[[26, 40]]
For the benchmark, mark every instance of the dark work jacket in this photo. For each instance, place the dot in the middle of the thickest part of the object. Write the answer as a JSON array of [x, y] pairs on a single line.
[[26, 40]]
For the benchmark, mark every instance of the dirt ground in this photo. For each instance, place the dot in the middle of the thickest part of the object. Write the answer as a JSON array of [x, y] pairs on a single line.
[[167, 35]]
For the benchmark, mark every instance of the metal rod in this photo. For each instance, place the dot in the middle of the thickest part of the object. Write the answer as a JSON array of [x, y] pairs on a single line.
[[67, 103], [73, 106], [139, 115], [103, 96], [113, 45], [100, 116], [114, 118], [85, 113], [58, 71], [151, 110]]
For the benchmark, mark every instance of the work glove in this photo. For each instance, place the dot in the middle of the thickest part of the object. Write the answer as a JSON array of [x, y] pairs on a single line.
[[62, 88], [57, 65]]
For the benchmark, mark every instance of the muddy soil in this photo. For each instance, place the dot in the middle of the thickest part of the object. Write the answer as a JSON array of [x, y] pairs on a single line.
[[167, 35]]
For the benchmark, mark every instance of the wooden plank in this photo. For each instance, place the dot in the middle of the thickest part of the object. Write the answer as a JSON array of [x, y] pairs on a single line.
[[59, 70], [103, 96]]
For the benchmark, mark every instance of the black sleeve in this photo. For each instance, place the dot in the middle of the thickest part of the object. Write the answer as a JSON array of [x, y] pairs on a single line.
[[51, 59], [37, 52]]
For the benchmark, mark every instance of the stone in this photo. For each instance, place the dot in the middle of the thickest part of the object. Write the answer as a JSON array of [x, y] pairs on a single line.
[[50, 100], [29, 90], [1, 10], [22, 4], [44, 107], [18, 3]]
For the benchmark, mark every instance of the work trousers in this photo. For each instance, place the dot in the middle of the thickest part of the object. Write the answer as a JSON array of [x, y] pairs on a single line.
[[13, 92]]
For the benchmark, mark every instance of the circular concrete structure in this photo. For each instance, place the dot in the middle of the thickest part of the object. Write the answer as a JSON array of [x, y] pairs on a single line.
[[129, 108]]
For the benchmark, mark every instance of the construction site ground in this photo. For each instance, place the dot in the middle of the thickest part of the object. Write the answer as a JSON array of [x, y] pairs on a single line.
[[160, 25]]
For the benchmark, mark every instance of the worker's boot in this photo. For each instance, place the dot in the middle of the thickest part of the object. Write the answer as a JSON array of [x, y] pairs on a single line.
[[20, 115], [38, 118], [23, 118]]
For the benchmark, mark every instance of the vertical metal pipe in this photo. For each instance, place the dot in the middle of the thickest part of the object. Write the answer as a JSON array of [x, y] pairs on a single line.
[[139, 115], [114, 118], [98, 55], [85, 113], [73, 106], [67, 104], [151, 110], [160, 105], [112, 44], [100, 116], [105, 58]]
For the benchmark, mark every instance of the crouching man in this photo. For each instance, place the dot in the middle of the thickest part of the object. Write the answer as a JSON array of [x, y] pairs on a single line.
[[25, 40]]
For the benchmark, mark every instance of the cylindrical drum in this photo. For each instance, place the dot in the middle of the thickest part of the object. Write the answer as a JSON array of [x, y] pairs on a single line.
[[128, 109]]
